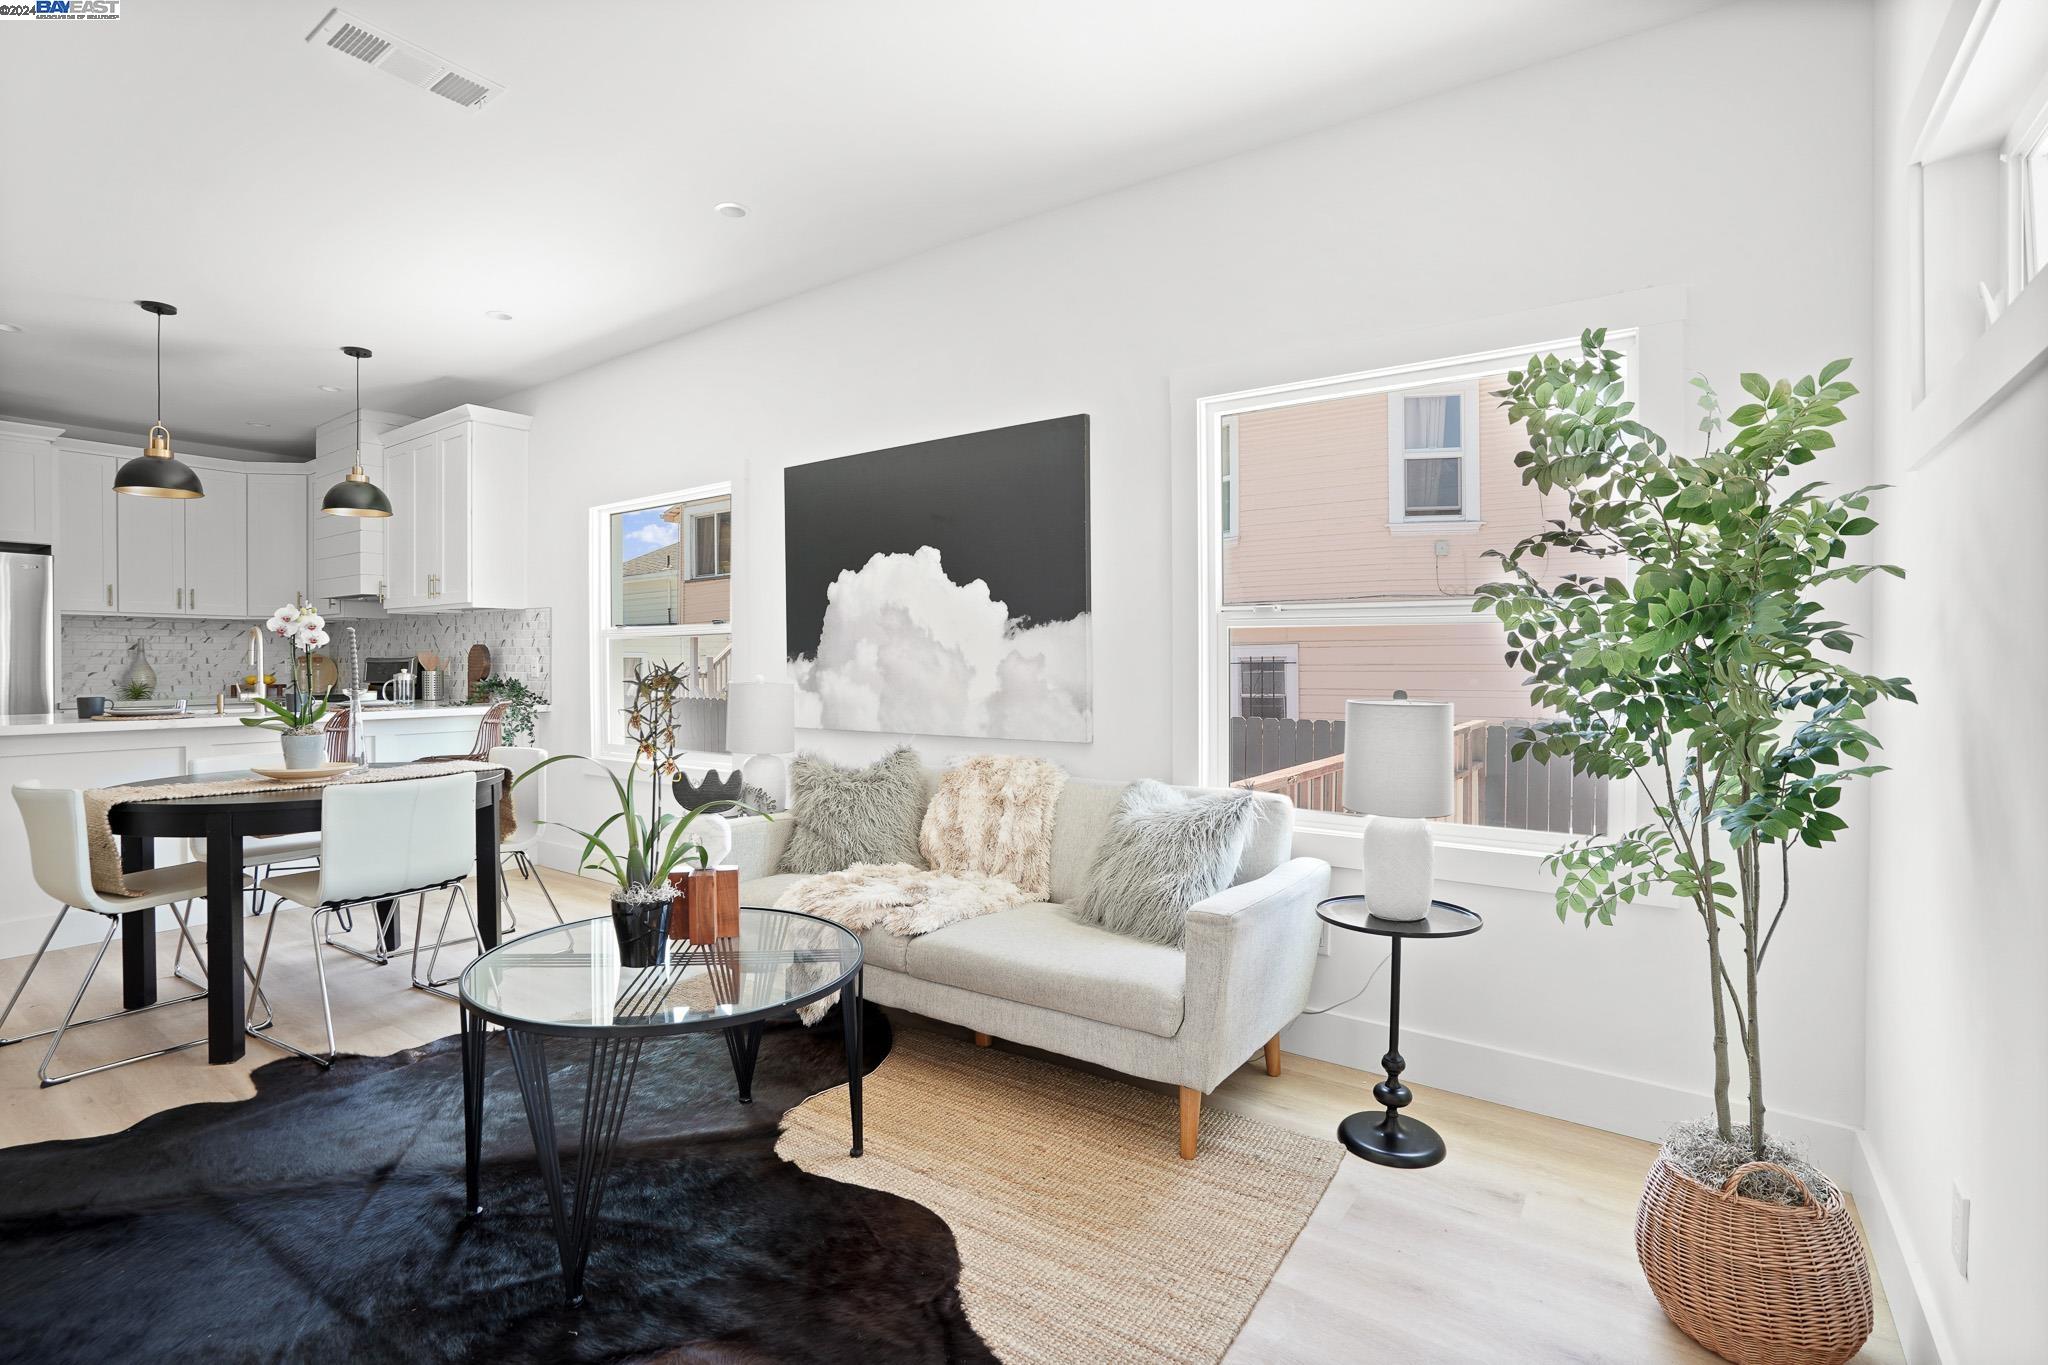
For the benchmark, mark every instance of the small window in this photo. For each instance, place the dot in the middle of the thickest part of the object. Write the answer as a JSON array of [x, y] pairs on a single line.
[[1265, 681], [711, 543], [1429, 441], [2033, 210]]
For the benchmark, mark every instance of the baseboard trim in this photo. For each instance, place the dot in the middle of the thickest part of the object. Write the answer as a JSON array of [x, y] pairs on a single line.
[[1923, 1334], [1543, 1085]]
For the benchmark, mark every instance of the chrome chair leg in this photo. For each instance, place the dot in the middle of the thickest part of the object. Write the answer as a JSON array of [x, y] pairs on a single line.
[[182, 914], [256, 1030], [438, 986], [505, 900], [378, 954], [320, 963], [43, 1068], [22, 984]]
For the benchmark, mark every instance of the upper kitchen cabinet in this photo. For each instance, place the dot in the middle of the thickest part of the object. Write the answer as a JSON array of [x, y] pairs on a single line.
[[456, 536], [276, 561], [185, 556], [84, 543], [348, 553], [28, 482]]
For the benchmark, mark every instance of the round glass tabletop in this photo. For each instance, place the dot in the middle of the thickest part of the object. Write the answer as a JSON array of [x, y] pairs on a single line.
[[568, 979]]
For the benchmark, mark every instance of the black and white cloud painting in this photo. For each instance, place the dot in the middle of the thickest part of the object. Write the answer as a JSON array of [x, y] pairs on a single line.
[[942, 588]]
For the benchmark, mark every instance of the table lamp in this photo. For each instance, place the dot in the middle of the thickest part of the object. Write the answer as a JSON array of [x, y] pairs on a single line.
[[1397, 774], [760, 721]]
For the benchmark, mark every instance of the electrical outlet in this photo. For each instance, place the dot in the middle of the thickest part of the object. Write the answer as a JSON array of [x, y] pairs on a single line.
[[1323, 943], [1959, 1229]]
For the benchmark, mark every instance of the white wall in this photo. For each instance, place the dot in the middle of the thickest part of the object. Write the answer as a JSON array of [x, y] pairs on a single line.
[[1726, 157], [1957, 1017]]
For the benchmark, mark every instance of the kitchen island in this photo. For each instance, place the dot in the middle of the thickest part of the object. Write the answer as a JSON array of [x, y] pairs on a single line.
[[60, 750]]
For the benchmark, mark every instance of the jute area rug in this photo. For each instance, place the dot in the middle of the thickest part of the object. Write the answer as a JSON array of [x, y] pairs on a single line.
[[1083, 1236]]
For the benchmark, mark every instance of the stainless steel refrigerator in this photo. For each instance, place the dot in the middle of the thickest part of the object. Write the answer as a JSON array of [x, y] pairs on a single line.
[[28, 630]]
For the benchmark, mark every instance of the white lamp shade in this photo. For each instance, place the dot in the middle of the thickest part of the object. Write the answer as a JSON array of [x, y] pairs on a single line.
[[1397, 758], [760, 717]]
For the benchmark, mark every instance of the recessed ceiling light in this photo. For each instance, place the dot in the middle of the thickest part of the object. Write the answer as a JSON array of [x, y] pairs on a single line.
[[732, 210], [329, 388], [8, 327], [259, 424], [495, 316]]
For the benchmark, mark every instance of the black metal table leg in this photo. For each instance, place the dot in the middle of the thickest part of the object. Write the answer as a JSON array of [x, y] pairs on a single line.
[[487, 885], [613, 1064], [744, 1042], [850, 1007], [473, 1036], [1390, 1139], [138, 930]]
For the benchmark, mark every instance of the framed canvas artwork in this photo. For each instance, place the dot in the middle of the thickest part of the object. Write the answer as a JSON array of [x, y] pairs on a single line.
[[942, 588]]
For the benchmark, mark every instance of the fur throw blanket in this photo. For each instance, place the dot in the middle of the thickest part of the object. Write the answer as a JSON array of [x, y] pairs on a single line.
[[988, 837]]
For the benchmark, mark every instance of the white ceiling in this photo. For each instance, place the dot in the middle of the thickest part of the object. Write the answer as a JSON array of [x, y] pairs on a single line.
[[290, 201]]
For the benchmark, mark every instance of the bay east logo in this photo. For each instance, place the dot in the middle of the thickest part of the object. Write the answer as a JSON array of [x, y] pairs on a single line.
[[62, 9]]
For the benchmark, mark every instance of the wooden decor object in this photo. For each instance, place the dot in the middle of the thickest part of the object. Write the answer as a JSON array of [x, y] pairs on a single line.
[[1755, 1283], [479, 667]]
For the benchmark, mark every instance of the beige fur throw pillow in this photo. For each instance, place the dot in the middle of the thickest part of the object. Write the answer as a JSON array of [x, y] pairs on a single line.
[[992, 817]]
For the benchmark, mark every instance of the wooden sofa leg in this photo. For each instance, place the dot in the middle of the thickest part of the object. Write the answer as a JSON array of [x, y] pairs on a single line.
[[1273, 1055], [981, 1040], [1190, 1121]]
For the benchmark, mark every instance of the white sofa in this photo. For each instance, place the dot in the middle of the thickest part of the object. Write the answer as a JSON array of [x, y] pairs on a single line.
[[1036, 975]]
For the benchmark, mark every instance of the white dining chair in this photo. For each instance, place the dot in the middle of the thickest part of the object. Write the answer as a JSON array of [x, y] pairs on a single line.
[[61, 861], [262, 855], [381, 841], [529, 810]]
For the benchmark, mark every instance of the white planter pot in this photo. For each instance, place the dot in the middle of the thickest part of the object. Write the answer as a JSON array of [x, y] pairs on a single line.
[[304, 751]]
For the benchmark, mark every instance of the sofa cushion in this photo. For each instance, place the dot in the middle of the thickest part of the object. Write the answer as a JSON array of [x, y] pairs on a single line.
[[1042, 955], [1165, 851], [882, 949], [1084, 814], [854, 815]]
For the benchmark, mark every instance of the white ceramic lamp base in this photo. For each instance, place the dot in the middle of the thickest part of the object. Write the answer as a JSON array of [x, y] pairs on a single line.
[[769, 772], [1399, 868]]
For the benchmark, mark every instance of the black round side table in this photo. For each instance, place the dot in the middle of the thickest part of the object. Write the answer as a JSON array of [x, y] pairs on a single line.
[[1393, 1139]]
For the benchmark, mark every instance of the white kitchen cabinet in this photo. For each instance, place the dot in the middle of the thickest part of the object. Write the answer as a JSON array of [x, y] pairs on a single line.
[[27, 482], [85, 539], [150, 534], [217, 546], [277, 565], [457, 483]]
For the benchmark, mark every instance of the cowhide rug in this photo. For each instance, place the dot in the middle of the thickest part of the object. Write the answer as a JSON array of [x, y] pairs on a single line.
[[322, 1221]]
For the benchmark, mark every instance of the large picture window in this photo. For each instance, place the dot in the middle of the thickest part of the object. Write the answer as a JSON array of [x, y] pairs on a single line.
[[664, 600], [1352, 533]]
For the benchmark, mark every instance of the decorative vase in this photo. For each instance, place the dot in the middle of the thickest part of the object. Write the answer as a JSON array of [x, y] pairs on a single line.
[[304, 751], [642, 927], [1754, 1282], [139, 673]]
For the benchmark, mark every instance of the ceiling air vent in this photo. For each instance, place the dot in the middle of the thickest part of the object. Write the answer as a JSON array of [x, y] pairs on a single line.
[[410, 62]]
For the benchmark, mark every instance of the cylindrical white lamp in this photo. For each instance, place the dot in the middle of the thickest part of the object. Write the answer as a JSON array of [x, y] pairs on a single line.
[[1397, 774], [760, 721]]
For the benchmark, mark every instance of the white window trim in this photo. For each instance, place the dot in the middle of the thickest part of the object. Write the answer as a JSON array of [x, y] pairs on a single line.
[[605, 580], [1292, 654], [1467, 451], [1231, 503], [1212, 751], [690, 516]]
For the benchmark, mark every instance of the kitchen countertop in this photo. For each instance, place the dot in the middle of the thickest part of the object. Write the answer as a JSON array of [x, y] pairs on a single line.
[[67, 721]]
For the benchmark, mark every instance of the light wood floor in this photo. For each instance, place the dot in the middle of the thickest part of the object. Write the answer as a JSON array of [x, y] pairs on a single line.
[[1516, 1248]]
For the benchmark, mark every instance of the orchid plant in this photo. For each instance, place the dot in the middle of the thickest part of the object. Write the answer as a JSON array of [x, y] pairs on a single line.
[[305, 631]]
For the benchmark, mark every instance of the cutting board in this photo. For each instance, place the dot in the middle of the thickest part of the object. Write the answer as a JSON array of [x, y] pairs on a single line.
[[324, 673], [479, 665]]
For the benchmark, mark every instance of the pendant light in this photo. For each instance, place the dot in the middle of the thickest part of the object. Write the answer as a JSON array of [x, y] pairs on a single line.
[[156, 473], [356, 496]]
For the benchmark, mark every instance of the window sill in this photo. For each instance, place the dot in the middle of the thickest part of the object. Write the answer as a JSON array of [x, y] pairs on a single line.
[[1462, 859], [2009, 351], [706, 577], [1448, 526]]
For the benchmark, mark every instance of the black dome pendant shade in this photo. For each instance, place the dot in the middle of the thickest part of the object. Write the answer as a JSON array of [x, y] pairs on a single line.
[[156, 472], [356, 496]]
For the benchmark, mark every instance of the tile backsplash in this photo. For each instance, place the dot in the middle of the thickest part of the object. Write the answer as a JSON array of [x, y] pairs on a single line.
[[196, 658]]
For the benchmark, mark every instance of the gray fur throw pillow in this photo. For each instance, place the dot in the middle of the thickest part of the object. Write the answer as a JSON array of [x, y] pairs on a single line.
[[1164, 851], [854, 815]]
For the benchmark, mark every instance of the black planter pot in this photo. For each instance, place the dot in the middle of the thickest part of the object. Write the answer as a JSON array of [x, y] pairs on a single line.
[[642, 927]]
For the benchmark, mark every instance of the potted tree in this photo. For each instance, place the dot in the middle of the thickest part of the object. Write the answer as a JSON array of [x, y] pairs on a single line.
[[1686, 650]]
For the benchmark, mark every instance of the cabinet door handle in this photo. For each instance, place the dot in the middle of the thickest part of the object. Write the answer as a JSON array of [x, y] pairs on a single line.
[[192, 599], [180, 598], [110, 594]]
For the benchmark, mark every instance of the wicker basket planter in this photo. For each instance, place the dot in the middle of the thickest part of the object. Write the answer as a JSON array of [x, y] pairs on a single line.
[[1756, 1283]]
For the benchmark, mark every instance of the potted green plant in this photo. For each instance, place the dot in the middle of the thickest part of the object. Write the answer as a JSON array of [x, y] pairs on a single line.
[[1687, 651], [638, 846], [301, 715], [519, 719]]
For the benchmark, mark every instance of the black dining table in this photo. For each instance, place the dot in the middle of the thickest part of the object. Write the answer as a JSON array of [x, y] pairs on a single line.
[[223, 821]]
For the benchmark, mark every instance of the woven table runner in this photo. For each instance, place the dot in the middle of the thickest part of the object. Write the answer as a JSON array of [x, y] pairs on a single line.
[[106, 849]]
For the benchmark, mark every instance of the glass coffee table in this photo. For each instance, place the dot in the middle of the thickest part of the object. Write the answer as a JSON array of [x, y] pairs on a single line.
[[566, 983]]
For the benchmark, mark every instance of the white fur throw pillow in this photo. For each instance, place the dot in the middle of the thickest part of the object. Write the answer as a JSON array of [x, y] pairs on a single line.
[[845, 816], [1163, 852]]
